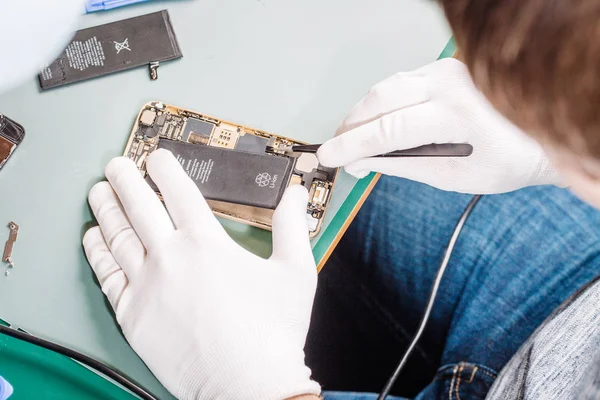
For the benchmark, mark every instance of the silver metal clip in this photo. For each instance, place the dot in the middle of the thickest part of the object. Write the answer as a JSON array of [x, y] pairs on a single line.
[[154, 70], [10, 243]]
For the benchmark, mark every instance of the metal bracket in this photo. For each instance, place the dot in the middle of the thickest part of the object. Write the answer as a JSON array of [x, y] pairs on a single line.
[[154, 70], [10, 243]]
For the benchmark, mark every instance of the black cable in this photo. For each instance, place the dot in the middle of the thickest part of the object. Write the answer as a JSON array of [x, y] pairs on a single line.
[[82, 358], [434, 291]]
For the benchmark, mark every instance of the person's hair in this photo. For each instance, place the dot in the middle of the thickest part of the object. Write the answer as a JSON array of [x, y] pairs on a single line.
[[538, 62]]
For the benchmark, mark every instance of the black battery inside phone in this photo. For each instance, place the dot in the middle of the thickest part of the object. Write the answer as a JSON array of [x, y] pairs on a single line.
[[233, 176], [113, 47]]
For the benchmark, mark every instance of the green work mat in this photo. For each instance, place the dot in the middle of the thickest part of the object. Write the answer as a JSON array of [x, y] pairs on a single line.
[[37, 373]]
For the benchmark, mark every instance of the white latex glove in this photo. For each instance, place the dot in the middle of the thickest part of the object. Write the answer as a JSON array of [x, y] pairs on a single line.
[[437, 104], [210, 319]]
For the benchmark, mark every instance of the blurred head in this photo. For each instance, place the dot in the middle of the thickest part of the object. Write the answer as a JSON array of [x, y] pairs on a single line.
[[538, 62], [32, 34]]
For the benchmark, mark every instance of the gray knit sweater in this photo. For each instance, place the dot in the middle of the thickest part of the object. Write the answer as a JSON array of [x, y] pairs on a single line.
[[561, 360]]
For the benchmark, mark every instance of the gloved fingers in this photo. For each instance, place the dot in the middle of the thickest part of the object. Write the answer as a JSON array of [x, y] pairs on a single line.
[[360, 171], [111, 277], [404, 90], [400, 91], [407, 89], [186, 205], [142, 206], [290, 228], [436, 172], [404, 129], [123, 242]]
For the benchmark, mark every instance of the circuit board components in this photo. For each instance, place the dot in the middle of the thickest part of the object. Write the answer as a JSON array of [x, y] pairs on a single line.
[[241, 171]]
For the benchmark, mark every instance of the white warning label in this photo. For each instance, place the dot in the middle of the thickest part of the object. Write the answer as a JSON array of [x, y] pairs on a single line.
[[199, 171], [47, 73], [82, 55]]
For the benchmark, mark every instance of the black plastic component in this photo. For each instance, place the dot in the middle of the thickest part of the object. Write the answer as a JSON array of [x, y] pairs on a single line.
[[252, 144], [200, 129]]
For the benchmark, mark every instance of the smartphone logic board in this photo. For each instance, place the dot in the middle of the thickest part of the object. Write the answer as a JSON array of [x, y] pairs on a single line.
[[241, 171]]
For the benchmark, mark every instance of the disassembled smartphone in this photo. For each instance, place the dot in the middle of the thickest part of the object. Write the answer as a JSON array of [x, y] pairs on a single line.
[[241, 171], [11, 136]]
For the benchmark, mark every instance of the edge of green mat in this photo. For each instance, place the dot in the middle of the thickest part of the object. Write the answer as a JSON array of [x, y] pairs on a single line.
[[62, 377]]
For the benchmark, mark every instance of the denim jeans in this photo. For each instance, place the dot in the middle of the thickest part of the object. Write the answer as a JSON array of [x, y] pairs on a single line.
[[519, 256]]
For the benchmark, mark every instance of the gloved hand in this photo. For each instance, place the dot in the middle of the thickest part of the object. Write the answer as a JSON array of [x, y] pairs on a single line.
[[437, 104], [210, 319]]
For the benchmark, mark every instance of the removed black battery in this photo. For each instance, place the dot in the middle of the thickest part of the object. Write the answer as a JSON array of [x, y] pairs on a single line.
[[257, 180], [117, 46]]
